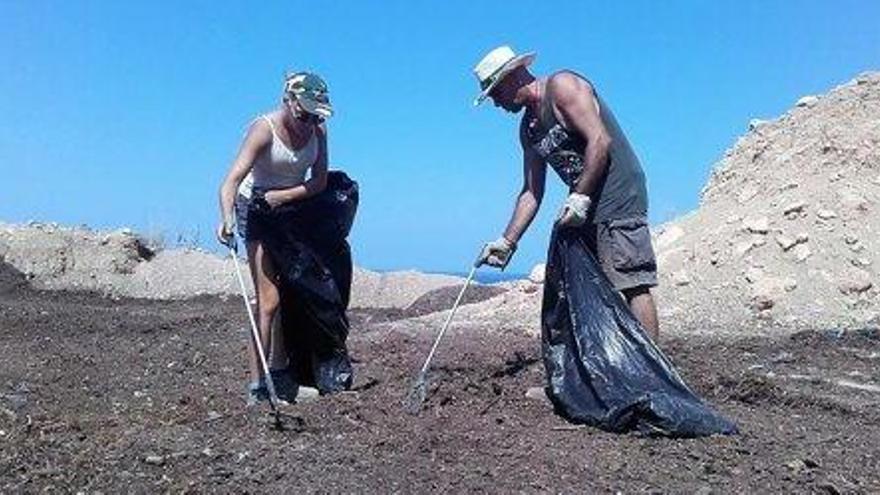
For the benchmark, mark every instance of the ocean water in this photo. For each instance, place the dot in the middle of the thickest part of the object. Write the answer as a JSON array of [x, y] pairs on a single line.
[[490, 276]]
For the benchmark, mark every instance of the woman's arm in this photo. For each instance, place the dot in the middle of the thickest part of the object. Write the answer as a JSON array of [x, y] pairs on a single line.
[[259, 135], [317, 181]]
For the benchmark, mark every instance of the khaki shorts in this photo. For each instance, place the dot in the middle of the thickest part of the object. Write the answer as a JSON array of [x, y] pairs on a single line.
[[623, 249]]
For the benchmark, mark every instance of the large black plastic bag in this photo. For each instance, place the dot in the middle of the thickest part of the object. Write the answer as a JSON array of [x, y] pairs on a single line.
[[602, 369], [307, 243]]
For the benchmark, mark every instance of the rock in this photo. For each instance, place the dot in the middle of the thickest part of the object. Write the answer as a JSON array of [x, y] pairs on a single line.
[[742, 248], [307, 394], [537, 393], [537, 273], [155, 460], [668, 236], [762, 302], [766, 291], [759, 225], [796, 466], [802, 238], [807, 101], [681, 278], [826, 214], [785, 242], [828, 487], [853, 200], [756, 123], [796, 207], [855, 281], [802, 252], [754, 274], [850, 239], [747, 193]]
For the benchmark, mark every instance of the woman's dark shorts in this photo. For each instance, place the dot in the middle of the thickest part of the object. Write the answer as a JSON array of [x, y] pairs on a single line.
[[623, 249], [241, 213]]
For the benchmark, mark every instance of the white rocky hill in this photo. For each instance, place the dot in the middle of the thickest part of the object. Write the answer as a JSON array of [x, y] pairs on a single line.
[[786, 231]]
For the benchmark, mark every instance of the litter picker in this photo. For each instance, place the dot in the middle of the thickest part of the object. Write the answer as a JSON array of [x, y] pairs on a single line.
[[258, 343], [420, 389]]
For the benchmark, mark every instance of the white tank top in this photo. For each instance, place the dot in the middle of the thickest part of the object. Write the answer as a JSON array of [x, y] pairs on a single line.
[[279, 167]]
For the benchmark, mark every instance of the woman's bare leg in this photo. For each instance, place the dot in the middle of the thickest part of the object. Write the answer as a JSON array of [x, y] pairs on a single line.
[[268, 298]]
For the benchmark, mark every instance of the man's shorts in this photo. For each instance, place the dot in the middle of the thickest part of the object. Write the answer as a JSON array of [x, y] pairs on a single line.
[[623, 249]]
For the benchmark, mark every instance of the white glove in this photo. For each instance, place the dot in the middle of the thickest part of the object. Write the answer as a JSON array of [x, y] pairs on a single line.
[[496, 253], [574, 210]]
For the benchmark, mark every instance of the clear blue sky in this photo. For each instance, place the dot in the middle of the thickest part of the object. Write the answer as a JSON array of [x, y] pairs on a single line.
[[128, 114]]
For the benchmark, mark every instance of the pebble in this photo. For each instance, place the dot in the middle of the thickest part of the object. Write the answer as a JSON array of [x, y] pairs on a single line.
[[759, 225], [807, 101], [796, 207], [826, 214], [802, 252], [155, 460]]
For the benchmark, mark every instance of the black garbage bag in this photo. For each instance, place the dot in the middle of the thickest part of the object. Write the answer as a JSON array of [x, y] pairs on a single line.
[[307, 243], [602, 369]]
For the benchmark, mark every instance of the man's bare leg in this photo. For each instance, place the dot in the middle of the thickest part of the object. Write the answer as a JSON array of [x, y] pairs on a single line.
[[641, 303]]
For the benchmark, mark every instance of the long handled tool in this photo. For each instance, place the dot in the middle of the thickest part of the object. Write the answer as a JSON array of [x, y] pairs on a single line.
[[420, 389], [258, 343]]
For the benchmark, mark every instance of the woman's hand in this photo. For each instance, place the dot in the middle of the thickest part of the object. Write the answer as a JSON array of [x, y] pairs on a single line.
[[275, 198], [224, 233]]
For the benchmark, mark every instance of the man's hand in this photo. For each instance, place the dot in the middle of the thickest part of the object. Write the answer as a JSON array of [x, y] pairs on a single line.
[[275, 198], [574, 210], [224, 233], [497, 253]]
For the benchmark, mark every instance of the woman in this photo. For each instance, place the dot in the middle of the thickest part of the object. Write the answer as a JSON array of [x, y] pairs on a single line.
[[279, 151]]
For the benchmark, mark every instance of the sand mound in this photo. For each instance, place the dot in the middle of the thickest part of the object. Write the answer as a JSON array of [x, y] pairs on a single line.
[[119, 264], [786, 232], [395, 289]]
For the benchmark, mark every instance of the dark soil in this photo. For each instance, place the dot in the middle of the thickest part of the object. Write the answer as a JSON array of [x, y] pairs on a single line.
[[138, 396], [436, 300]]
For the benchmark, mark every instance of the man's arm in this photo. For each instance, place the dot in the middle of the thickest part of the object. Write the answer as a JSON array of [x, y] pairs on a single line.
[[531, 194], [498, 252], [578, 110]]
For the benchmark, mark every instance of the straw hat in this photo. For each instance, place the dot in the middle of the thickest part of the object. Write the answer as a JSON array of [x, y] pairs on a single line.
[[495, 65]]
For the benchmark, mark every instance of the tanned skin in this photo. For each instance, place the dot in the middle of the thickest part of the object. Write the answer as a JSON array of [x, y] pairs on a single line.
[[577, 109], [294, 128]]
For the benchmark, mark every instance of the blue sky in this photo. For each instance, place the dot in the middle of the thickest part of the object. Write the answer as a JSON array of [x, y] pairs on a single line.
[[128, 114]]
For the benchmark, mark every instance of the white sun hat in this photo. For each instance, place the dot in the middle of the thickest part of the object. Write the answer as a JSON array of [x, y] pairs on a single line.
[[495, 65]]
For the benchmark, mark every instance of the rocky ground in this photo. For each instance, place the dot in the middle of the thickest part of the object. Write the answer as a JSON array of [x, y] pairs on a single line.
[[103, 395], [786, 234]]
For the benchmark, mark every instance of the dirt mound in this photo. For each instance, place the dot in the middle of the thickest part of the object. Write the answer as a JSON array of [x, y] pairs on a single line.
[[117, 263], [11, 279], [398, 289], [442, 299], [120, 264], [787, 229], [516, 306], [437, 300]]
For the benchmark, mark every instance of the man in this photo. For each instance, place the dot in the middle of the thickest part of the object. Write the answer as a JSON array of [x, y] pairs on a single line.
[[567, 125]]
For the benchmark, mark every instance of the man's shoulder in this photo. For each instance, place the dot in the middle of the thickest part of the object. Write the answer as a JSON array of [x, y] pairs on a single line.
[[565, 82]]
